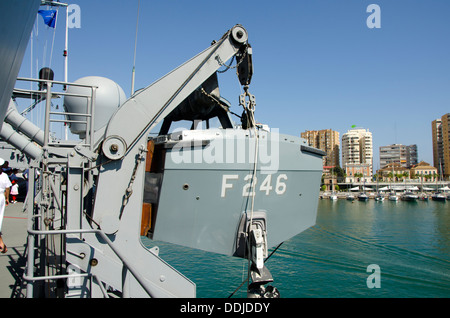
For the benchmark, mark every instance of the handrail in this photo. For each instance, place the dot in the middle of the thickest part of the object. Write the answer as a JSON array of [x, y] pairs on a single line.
[[54, 82], [141, 280]]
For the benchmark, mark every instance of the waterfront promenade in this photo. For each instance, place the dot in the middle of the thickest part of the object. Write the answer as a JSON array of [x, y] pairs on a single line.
[[397, 185]]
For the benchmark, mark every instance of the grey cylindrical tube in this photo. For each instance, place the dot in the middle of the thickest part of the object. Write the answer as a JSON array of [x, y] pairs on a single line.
[[20, 142], [23, 125]]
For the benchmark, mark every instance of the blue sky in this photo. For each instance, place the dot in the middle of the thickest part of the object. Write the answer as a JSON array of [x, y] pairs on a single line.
[[317, 64]]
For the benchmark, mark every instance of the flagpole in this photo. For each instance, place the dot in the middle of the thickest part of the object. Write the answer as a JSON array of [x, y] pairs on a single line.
[[66, 126], [66, 45]]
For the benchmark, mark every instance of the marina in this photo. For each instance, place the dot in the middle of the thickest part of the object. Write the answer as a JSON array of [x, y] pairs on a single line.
[[409, 241], [392, 191], [392, 196]]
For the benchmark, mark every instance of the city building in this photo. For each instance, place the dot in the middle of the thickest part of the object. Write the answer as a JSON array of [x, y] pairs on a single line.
[[411, 156], [358, 172], [441, 145], [406, 156], [357, 153], [424, 172], [393, 172], [326, 140], [446, 145]]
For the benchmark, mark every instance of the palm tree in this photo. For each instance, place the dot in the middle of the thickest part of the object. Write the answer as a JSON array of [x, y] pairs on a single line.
[[405, 174], [435, 175], [390, 175]]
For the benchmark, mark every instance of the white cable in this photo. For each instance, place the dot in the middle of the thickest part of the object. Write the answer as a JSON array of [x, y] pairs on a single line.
[[253, 186]]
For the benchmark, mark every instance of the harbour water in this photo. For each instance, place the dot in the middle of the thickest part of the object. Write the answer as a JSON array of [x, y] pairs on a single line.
[[408, 241]]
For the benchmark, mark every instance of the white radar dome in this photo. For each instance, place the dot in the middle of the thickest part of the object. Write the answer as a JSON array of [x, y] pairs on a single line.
[[108, 97]]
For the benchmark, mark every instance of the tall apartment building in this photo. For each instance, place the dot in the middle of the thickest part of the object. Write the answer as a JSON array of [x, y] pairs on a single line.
[[406, 156], [357, 152], [411, 156], [326, 140], [441, 145]]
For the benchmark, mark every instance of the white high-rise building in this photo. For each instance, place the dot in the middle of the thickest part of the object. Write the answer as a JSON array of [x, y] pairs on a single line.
[[357, 153]]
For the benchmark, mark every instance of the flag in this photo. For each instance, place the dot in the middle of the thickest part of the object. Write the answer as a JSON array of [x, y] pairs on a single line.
[[353, 126], [49, 17]]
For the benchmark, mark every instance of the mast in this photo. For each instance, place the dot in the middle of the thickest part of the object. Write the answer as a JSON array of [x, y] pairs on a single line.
[[66, 126], [65, 52], [66, 47], [133, 72]]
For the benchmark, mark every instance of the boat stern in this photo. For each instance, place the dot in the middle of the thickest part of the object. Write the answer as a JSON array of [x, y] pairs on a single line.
[[204, 186]]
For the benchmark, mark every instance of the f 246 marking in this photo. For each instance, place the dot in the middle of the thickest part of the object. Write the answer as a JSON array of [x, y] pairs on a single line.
[[248, 189]]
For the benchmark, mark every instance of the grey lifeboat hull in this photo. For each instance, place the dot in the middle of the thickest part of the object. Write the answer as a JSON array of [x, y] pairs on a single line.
[[205, 188]]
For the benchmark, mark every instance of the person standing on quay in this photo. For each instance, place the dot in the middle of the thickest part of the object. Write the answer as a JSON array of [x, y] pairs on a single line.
[[5, 185]]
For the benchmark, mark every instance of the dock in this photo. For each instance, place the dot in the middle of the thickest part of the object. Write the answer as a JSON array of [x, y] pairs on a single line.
[[12, 263]]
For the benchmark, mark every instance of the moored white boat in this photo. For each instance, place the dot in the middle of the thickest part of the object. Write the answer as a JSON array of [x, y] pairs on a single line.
[[363, 197], [438, 196], [393, 197], [409, 196]]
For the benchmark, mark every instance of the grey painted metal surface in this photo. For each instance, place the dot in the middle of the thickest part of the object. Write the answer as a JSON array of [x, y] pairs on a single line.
[[109, 96], [205, 190], [20, 123], [16, 21], [12, 264], [16, 158], [21, 133]]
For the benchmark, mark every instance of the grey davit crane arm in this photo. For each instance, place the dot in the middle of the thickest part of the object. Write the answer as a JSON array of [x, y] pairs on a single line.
[[146, 108], [127, 185], [117, 197], [125, 139]]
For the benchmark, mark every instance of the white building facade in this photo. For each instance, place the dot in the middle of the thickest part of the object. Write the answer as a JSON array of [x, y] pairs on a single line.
[[357, 154]]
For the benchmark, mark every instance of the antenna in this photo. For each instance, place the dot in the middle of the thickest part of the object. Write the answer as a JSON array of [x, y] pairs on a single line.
[[133, 73]]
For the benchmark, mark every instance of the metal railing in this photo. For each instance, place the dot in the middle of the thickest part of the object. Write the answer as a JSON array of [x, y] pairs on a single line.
[[44, 202], [50, 195], [129, 265], [48, 93]]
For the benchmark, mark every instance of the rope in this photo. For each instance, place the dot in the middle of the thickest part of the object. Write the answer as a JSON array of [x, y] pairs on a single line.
[[53, 40], [249, 110], [253, 193]]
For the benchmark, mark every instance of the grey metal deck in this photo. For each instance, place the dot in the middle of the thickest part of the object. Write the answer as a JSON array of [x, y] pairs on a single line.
[[12, 264]]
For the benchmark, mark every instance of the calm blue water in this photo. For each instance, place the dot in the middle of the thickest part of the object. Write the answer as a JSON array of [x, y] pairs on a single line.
[[409, 241]]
